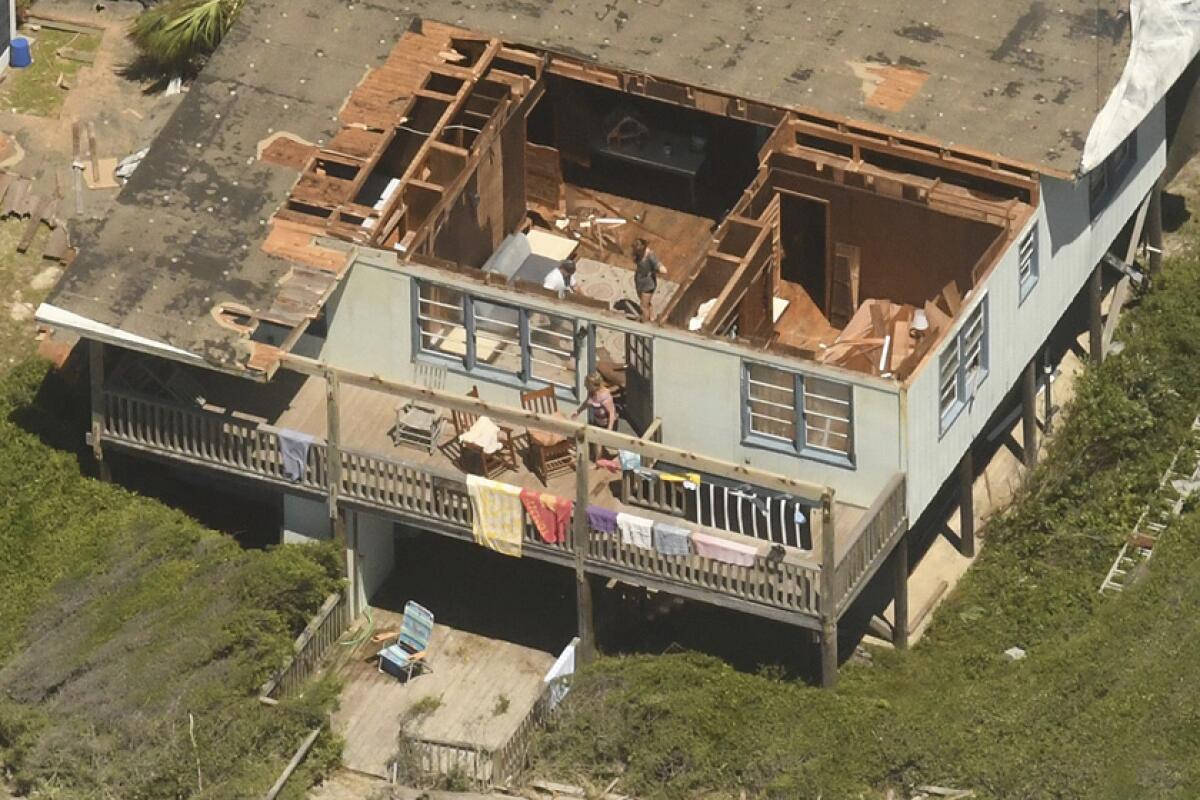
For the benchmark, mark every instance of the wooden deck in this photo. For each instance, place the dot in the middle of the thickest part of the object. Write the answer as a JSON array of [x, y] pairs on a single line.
[[429, 492], [483, 689]]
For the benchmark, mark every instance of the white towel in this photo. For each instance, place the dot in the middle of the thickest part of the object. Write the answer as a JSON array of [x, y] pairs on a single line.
[[485, 434], [637, 531]]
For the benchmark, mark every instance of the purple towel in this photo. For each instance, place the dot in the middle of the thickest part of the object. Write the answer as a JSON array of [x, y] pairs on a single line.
[[601, 520]]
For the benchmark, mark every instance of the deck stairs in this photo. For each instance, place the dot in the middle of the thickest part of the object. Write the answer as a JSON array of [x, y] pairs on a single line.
[[1178, 483]]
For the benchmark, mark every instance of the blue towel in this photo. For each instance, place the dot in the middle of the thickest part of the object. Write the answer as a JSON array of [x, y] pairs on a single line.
[[293, 447], [671, 540], [629, 460]]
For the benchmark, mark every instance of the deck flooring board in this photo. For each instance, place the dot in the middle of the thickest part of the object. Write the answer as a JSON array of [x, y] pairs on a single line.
[[469, 673]]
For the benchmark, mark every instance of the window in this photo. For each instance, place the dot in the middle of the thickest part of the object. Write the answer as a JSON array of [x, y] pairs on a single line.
[[827, 415], [820, 426], [524, 345], [1027, 262], [1106, 178], [963, 365]]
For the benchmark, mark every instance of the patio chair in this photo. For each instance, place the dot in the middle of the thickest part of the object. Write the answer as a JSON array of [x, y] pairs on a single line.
[[408, 653], [419, 422], [492, 463], [550, 453]]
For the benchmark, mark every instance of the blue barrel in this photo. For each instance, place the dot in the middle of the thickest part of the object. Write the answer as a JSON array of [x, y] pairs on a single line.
[[20, 56]]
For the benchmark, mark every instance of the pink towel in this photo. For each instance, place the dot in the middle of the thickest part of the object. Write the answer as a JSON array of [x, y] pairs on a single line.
[[720, 549]]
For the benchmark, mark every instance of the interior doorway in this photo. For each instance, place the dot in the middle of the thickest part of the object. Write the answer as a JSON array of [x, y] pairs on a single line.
[[804, 238]]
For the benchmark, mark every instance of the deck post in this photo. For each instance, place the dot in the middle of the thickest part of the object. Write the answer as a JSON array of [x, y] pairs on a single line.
[[829, 648], [333, 454], [1154, 230], [1095, 290], [579, 536], [900, 579], [966, 504], [96, 381], [1029, 412]]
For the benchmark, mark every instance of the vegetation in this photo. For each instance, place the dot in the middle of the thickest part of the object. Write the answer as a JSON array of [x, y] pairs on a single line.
[[1104, 706], [175, 36], [133, 641], [34, 89]]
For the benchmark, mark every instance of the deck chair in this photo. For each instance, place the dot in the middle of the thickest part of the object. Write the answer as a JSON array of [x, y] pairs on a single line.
[[419, 422], [550, 454], [491, 464], [408, 653]]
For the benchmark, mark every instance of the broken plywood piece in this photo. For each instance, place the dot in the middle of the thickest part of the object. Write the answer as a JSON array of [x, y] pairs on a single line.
[[59, 245], [106, 168], [295, 242], [285, 149], [888, 87]]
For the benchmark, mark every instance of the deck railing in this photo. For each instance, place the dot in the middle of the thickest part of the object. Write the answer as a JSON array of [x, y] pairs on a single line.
[[326, 627], [440, 496], [870, 541], [482, 766]]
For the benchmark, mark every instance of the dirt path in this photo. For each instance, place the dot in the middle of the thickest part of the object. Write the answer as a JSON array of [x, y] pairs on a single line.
[[125, 114]]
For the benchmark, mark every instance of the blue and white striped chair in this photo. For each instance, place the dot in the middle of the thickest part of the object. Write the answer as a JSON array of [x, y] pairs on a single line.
[[408, 653]]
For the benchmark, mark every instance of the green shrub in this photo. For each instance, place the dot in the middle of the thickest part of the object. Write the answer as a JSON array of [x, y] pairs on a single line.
[[126, 627]]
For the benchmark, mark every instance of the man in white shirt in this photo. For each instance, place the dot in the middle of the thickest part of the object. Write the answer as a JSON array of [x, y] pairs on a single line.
[[561, 279]]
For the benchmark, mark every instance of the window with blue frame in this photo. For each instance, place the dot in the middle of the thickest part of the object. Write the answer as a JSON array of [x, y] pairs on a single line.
[[963, 365], [496, 339], [1027, 262], [798, 413]]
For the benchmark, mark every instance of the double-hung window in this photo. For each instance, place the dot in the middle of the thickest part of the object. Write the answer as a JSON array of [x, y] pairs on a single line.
[[506, 341], [1027, 262], [798, 413], [963, 365]]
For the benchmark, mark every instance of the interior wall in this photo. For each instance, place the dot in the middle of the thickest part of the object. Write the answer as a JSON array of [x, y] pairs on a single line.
[[908, 252], [491, 205]]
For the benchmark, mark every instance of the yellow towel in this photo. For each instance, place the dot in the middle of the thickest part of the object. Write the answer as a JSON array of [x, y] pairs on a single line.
[[667, 477], [498, 520]]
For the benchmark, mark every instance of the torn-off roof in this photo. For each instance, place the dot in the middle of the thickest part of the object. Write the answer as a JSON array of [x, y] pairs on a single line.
[[188, 230]]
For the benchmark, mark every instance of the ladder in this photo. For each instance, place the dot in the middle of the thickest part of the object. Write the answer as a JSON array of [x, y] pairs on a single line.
[[1173, 491]]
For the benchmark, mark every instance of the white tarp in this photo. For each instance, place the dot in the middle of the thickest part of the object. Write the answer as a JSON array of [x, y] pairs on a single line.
[[1166, 37]]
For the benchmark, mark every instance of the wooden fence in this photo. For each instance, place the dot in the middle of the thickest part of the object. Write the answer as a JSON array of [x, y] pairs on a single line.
[[323, 631]]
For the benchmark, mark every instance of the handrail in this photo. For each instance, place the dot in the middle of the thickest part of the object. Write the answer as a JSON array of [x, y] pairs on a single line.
[[440, 496], [871, 539], [310, 647]]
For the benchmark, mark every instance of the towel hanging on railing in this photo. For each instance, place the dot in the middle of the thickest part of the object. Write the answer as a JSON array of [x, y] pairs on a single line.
[[293, 449], [498, 520]]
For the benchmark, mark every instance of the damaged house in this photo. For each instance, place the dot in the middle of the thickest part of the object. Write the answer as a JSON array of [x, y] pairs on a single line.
[[332, 264]]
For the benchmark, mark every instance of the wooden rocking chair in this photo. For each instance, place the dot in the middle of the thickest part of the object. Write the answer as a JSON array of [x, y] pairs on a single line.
[[491, 464], [550, 454]]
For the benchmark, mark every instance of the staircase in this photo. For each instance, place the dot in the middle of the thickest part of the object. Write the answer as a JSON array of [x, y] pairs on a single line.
[[1174, 489]]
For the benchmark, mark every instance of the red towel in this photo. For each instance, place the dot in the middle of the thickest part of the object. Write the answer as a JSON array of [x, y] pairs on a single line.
[[551, 515]]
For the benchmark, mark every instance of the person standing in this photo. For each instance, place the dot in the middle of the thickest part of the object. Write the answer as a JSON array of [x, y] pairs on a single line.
[[602, 410], [646, 271]]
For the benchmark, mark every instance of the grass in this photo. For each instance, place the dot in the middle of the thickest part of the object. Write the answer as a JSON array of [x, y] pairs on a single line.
[[1104, 706], [34, 90], [16, 273], [125, 628]]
